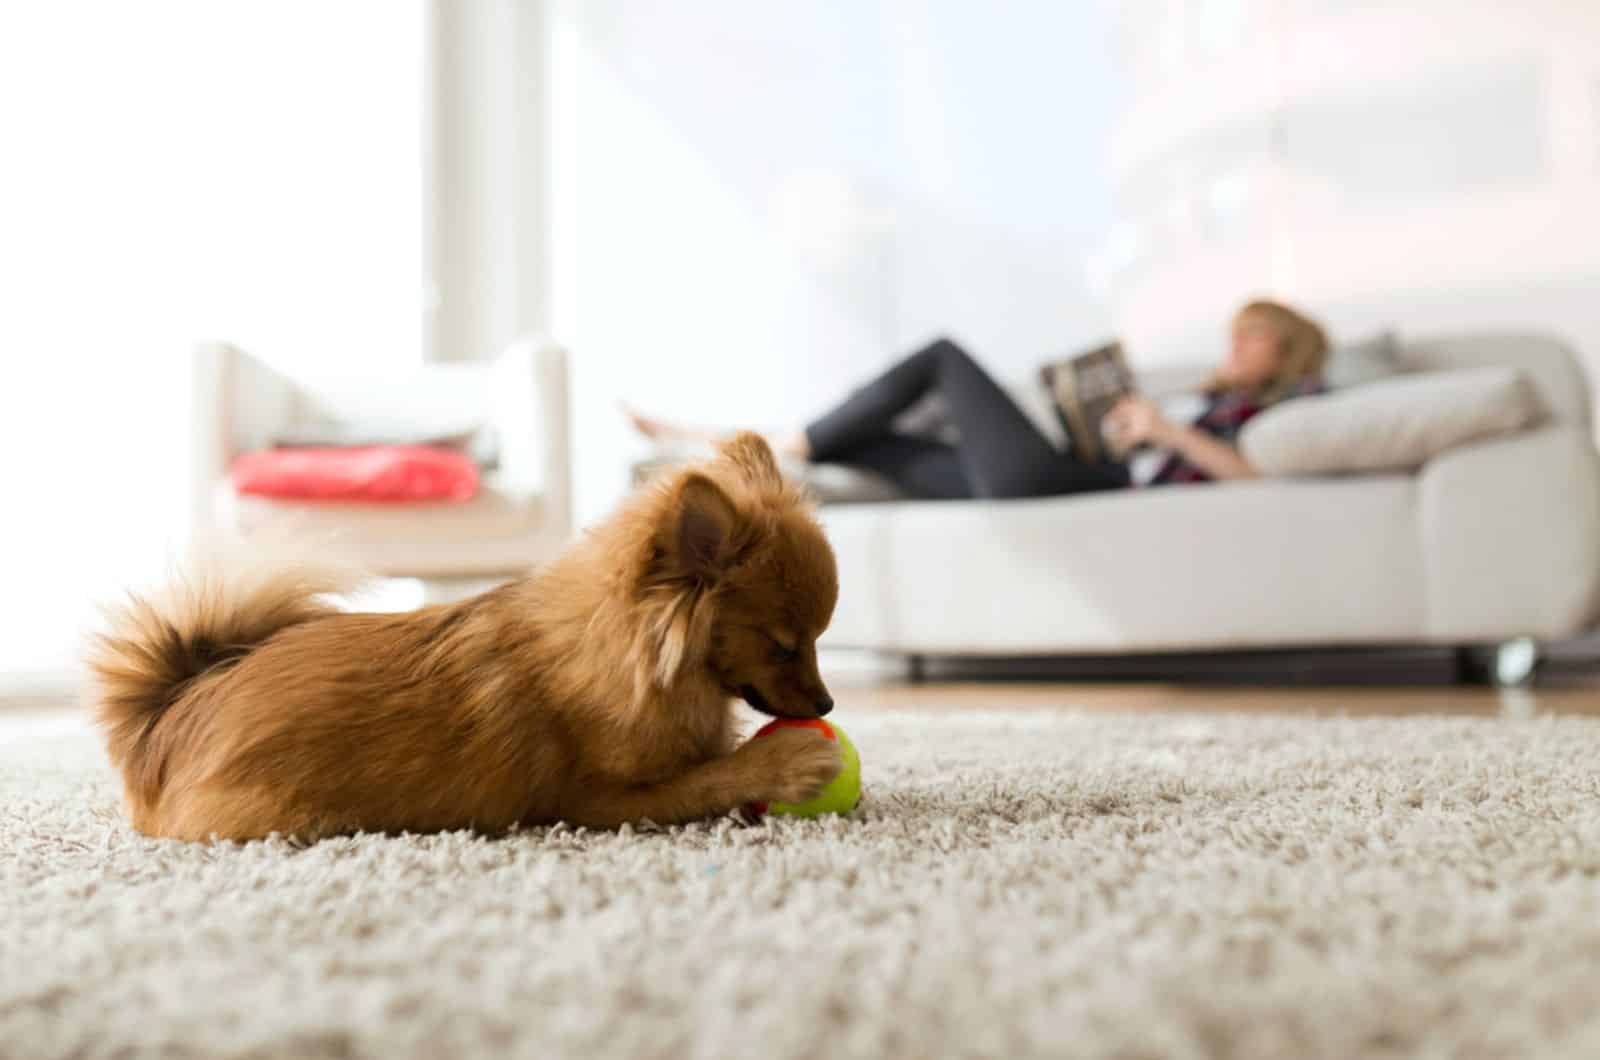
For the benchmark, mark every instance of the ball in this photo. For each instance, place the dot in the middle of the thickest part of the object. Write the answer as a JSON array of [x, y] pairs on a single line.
[[841, 794]]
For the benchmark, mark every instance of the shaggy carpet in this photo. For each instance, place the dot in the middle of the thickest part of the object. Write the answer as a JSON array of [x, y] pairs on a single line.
[[1017, 885]]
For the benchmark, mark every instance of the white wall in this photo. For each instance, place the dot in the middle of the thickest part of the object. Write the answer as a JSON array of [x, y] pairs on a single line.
[[1432, 164], [766, 201], [760, 203]]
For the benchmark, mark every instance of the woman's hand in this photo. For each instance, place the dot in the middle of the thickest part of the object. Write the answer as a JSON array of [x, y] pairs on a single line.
[[1136, 421]]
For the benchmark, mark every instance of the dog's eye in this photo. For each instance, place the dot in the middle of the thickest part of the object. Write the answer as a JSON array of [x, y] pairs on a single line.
[[782, 652]]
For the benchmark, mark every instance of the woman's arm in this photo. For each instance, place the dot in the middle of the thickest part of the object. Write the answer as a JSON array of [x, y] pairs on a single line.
[[1215, 457], [1136, 420]]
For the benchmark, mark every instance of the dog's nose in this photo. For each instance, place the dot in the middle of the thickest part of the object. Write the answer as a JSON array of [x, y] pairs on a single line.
[[824, 705]]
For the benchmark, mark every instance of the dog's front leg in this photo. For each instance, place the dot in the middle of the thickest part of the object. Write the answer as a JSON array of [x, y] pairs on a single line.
[[791, 765]]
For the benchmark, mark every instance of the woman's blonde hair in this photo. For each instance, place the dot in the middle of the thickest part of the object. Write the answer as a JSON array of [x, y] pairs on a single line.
[[1302, 348]]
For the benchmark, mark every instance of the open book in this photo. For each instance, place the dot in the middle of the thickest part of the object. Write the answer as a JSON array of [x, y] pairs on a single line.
[[1084, 388]]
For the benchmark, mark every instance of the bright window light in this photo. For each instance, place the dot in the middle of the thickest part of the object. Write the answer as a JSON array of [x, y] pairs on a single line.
[[177, 171]]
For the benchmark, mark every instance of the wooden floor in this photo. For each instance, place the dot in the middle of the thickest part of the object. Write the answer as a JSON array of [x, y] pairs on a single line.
[[1572, 692], [1574, 697]]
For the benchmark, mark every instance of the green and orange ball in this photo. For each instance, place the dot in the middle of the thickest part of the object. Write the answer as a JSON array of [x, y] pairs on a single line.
[[841, 794]]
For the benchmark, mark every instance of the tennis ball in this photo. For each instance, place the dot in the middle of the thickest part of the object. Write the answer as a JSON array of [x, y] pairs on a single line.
[[841, 794]]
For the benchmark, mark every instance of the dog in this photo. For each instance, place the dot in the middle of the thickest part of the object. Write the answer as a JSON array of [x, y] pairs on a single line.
[[599, 690]]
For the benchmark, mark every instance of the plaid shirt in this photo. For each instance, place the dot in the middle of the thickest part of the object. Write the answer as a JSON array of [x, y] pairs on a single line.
[[1226, 413]]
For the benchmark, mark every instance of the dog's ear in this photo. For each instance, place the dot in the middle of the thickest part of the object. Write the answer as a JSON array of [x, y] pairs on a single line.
[[697, 539], [752, 456]]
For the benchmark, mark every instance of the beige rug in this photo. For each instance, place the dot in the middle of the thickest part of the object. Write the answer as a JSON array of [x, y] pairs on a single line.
[[1015, 886]]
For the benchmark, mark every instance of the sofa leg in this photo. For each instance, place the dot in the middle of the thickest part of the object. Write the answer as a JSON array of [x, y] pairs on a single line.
[[1516, 662], [916, 668], [1511, 663]]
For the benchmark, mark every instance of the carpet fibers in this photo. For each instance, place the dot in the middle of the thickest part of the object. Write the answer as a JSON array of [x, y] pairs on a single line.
[[1015, 885]]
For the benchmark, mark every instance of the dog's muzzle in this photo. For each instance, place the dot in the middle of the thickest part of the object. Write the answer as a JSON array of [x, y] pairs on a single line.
[[752, 695]]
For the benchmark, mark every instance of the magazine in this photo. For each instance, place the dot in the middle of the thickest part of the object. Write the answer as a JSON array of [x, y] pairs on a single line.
[[1083, 389]]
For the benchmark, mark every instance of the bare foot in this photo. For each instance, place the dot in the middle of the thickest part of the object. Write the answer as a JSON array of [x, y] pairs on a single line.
[[662, 431], [793, 444]]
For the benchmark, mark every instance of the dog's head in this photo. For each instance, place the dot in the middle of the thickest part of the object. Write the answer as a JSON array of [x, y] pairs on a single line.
[[744, 581]]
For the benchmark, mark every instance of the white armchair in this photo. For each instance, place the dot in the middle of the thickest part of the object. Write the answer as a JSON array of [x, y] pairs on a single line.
[[520, 517]]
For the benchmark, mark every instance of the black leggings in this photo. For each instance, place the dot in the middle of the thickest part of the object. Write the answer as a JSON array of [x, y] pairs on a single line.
[[1001, 453]]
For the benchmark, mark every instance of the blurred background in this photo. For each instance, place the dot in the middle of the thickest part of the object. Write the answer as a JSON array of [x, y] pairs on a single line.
[[727, 204]]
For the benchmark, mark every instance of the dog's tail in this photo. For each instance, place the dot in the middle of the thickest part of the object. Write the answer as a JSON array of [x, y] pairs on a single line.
[[210, 616]]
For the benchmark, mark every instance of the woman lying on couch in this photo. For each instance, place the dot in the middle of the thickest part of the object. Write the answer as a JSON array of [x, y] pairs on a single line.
[[1276, 353]]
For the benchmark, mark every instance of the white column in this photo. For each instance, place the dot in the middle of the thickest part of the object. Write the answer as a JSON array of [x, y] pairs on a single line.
[[485, 186]]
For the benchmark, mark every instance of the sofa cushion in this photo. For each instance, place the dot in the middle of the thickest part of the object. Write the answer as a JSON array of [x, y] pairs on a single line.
[[1219, 565], [1394, 425], [1368, 360]]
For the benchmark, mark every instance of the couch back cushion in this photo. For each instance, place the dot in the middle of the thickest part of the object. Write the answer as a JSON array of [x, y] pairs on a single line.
[[437, 401], [1366, 360], [1549, 364]]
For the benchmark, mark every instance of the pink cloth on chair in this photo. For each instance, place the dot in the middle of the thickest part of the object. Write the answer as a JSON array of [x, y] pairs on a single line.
[[363, 473]]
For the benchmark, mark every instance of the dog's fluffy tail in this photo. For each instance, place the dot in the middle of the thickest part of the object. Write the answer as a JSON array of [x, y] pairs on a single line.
[[209, 616]]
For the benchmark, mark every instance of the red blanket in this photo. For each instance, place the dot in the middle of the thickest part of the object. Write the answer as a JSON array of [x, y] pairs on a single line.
[[365, 473]]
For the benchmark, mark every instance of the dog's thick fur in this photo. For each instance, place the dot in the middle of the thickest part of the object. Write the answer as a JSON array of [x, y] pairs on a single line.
[[597, 691]]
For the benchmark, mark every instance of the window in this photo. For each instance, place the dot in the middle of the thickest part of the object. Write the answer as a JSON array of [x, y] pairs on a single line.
[[176, 171]]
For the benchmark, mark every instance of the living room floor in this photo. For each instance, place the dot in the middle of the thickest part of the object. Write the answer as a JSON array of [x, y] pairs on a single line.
[[1142, 869], [1560, 695]]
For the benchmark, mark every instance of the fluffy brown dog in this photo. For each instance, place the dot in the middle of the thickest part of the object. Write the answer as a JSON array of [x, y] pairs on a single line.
[[597, 691]]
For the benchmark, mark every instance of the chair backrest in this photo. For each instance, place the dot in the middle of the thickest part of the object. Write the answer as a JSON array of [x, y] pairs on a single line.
[[1550, 364], [522, 394], [447, 398]]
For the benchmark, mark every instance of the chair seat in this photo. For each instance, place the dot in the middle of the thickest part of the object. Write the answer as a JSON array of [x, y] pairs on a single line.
[[501, 528]]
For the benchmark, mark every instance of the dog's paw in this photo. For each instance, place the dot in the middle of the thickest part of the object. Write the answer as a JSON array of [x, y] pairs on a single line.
[[797, 765]]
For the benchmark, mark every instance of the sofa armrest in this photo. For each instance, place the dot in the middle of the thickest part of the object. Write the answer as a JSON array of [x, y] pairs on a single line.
[[530, 414], [1510, 536], [237, 403]]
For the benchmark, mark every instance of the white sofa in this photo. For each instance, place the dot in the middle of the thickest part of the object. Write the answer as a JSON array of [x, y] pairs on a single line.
[[1488, 543], [520, 516]]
